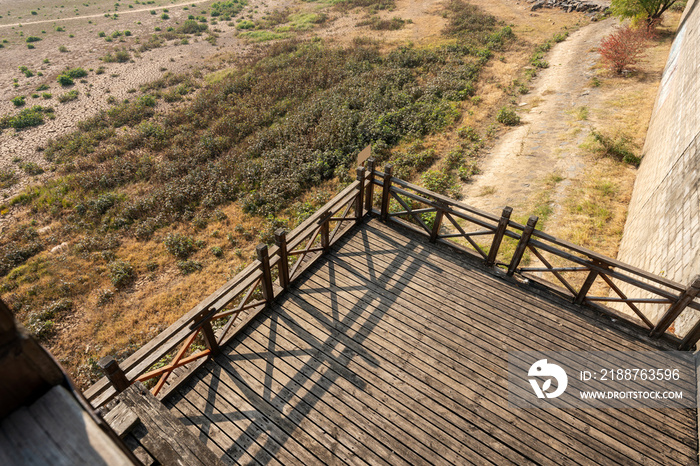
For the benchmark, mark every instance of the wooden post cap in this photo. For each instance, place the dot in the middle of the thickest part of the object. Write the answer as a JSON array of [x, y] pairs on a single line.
[[261, 250]]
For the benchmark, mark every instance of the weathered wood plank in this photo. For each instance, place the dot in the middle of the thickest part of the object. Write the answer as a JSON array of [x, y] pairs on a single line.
[[167, 440], [121, 419], [73, 429], [516, 316], [427, 329], [369, 389], [430, 365]]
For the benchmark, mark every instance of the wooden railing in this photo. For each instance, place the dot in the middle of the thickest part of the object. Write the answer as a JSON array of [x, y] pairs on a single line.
[[447, 220], [211, 324], [214, 322]]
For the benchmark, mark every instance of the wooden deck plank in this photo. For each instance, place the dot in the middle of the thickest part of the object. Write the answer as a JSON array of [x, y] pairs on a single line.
[[543, 326], [387, 389], [232, 396], [429, 364], [404, 420], [191, 413], [527, 337], [397, 326], [392, 350], [293, 415], [377, 236]]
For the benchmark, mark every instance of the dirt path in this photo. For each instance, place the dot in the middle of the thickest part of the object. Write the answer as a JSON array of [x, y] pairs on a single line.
[[100, 15], [547, 142]]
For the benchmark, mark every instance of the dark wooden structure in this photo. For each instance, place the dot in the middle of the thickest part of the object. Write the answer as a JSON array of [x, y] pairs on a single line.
[[377, 332], [153, 433], [43, 419]]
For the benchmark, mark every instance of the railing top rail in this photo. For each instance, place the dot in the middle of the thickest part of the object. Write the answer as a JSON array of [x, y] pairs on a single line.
[[538, 234], [167, 340], [443, 199]]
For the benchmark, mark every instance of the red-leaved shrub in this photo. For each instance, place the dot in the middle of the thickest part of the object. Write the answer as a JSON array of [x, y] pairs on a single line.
[[624, 47]]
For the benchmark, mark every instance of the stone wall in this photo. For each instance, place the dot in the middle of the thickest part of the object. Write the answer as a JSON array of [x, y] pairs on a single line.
[[662, 233]]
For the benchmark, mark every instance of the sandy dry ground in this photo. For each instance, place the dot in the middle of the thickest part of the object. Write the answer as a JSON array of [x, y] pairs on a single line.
[[544, 143], [85, 50]]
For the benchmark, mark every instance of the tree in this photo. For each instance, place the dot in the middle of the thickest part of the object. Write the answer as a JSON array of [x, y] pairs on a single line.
[[648, 10]]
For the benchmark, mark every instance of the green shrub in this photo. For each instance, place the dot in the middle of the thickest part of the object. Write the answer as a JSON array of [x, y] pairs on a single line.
[[180, 246], [508, 117], [32, 39], [28, 117], [31, 168], [64, 80], [191, 27], [63, 49], [441, 182], [228, 8], [164, 16], [18, 101], [121, 273], [102, 34], [76, 73], [26, 71], [43, 87], [468, 170], [217, 251], [68, 96], [245, 24], [8, 178], [189, 266], [619, 147], [46, 95]]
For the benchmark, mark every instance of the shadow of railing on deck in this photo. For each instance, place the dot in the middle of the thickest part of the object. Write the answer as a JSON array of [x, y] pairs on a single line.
[[437, 217]]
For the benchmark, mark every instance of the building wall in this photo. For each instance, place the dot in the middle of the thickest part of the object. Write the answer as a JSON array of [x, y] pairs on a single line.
[[662, 233]]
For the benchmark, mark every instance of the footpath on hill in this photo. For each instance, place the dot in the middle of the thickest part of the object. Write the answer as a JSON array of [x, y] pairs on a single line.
[[545, 144]]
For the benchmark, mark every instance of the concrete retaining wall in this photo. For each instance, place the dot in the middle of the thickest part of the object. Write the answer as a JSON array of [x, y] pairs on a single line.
[[662, 233]]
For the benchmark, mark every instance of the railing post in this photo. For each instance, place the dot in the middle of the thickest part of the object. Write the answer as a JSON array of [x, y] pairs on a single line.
[[283, 264], [264, 259], [586, 287], [498, 236], [386, 192], [114, 373], [522, 245], [439, 214], [676, 308], [359, 200], [370, 185], [208, 332], [325, 232]]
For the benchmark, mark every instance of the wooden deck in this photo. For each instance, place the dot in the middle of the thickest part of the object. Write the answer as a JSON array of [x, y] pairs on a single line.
[[392, 350]]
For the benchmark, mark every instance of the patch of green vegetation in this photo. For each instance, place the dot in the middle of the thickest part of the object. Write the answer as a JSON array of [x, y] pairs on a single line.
[[119, 56], [263, 36], [121, 273], [64, 80], [228, 8], [68, 96], [618, 147], [508, 117], [28, 117], [245, 24], [26, 71], [18, 101], [8, 178], [262, 134], [378, 24], [32, 39]]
